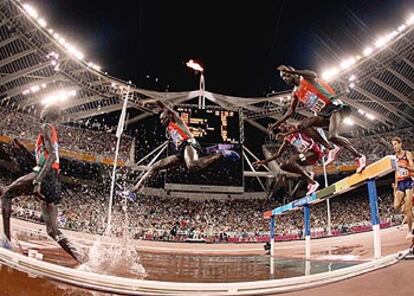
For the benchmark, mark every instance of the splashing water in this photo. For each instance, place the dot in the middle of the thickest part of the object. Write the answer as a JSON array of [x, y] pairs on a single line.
[[112, 255]]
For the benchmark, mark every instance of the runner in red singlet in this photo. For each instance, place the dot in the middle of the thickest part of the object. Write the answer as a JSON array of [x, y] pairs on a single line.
[[318, 97], [309, 154], [186, 147], [43, 182]]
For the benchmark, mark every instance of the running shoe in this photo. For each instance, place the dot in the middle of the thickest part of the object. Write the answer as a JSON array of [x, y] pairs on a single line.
[[225, 150], [362, 163], [217, 147], [312, 175], [312, 188], [230, 154], [332, 155]]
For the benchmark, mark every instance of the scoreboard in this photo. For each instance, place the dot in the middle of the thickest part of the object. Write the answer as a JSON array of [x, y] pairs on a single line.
[[210, 126]]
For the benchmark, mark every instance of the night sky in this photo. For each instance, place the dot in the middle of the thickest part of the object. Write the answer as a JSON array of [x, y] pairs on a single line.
[[239, 42]]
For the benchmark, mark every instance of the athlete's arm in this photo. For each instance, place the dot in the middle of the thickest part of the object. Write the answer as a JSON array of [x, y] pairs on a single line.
[[52, 156], [282, 148], [176, 118], [395, 181], [307, 74], [288, 114], [292, 131], [164, 106], [410, 166], [27, 155]]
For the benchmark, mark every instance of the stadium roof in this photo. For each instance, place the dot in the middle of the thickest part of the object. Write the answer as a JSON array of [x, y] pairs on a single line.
[[37, 65]]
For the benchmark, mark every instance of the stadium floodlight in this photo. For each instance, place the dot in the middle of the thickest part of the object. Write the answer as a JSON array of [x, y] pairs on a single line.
[[352, 85], [43, 85], [385, 39], [42, 22], [361, 111], [62, 41], [329, 73], [402, 28], [195, 66], [410, 20], [31, 11], [345, 64], [34, 88], [50, 31], [94, 66], [74, 51], [348, 121], [57, 97], [53, 62], [352, 77], [370, 116], [367, 51]]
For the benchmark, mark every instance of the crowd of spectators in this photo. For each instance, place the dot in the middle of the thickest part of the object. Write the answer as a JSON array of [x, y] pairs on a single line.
[[93, 138], [85, 207]]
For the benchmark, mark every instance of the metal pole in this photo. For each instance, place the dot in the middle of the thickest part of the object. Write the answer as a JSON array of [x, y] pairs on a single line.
[[118, 142], [272, 244], [252, 168], [328, 203], [375, 220], [152, 152], [307, 231]]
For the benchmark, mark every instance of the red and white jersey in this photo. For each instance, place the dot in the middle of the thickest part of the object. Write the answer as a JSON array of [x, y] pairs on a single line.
[[300, 141], [314, 95], [41, 152], [177, 134]]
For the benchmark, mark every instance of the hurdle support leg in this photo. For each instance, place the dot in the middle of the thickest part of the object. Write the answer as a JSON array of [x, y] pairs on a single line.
[[272, 244], [307, 231], [375, 219]]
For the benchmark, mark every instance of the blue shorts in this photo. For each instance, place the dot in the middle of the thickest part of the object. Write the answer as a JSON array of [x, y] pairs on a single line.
[[405, 184]]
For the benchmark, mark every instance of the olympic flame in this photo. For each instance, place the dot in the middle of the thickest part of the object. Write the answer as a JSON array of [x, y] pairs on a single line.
[[195, 66]]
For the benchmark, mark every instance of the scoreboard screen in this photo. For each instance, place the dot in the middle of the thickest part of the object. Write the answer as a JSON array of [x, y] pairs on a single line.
[[210, 127]]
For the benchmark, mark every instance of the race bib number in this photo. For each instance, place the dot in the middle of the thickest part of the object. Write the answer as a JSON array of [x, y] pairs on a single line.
[[403, 172], [176, 138], [314, 103], [300, 145]]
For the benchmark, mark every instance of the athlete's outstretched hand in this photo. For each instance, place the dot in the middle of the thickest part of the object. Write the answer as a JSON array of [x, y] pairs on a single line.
[[259, 163], [149, 102], [273, 126], [36, 190], [281, 135], [16, 143], [281, 68]]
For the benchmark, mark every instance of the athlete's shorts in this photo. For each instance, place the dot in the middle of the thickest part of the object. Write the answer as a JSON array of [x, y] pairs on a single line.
[[50, 187], [179, 152], [318, 154], [333, 108], [405, 184]]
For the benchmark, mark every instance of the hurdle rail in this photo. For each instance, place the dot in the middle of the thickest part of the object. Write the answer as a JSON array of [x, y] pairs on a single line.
[[375, 170]]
